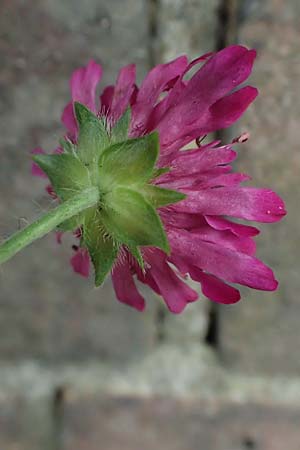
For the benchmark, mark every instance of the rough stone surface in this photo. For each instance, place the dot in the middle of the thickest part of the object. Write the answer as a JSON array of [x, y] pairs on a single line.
[[26, 424], [261, 334], [133, 424], [186, 27]]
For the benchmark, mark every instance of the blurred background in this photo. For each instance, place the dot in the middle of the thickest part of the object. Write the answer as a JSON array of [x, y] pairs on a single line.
[[78, 370]]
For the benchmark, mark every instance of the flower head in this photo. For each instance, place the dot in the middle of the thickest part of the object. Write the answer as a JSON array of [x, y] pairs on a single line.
[[164, 211]]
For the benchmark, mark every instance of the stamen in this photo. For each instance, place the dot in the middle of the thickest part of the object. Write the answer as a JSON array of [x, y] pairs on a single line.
[[200, 139], [242, 138]]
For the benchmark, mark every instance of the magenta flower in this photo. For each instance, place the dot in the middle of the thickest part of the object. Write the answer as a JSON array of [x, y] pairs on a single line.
[[166, 211]]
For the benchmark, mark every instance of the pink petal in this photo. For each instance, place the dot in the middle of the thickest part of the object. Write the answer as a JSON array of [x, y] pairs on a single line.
[[180, 263], [106, 100], [199, 59], [215, 289], [229, 179], [84, 82], [123, 91], [152, 86], [178, 85], [125, 287], [50, 191], [229, 109], [226, 239], [58, 151], [219, 223], [68, 119], [146, 278], [83, 86], [221, 114], [197, 181], [175, 292], [196, 161], [35, 169], [161, 107], [181, 220], [58, 236], [223, 262], [262, 205], [222, 73], [216, 78], [156, 80], [80, 262]]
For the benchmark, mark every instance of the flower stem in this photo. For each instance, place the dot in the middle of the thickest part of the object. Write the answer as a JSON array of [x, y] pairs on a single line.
[[48, 222]]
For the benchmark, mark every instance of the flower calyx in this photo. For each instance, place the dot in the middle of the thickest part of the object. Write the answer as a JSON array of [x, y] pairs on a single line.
[[122, 169]]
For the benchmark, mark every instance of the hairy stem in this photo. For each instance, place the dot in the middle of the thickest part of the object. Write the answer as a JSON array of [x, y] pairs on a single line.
[[48, 222]]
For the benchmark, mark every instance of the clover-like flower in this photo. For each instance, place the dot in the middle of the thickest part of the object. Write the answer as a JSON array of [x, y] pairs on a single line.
[[144, 207]]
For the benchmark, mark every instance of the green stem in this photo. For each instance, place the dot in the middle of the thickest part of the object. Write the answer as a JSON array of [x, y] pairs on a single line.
[[48, 222]]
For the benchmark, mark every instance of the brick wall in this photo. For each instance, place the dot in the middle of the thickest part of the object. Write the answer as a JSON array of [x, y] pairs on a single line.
[[77, 369]]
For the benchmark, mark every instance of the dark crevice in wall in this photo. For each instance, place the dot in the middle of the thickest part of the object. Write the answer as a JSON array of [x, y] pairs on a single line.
[[153, 14], [227, 23], [212, 337], [226, 34], [160, 321], [248, 443], [57, 411]]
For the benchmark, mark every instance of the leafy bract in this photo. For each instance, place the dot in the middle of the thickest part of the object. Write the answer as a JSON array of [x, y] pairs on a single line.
[[129, 162], [122, 169], [160, 171], [119, 132], [73, 223], [161, 197], [137, 254], [68, 146], [67, 174], [93, 137], [132, 220], [102, 248]]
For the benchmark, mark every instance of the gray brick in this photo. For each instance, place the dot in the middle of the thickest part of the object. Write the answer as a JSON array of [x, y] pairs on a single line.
[[26, 424], [133, 423], [186, 26]]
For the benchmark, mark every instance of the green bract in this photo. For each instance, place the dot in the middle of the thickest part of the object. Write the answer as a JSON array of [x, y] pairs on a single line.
[[122, 170]]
